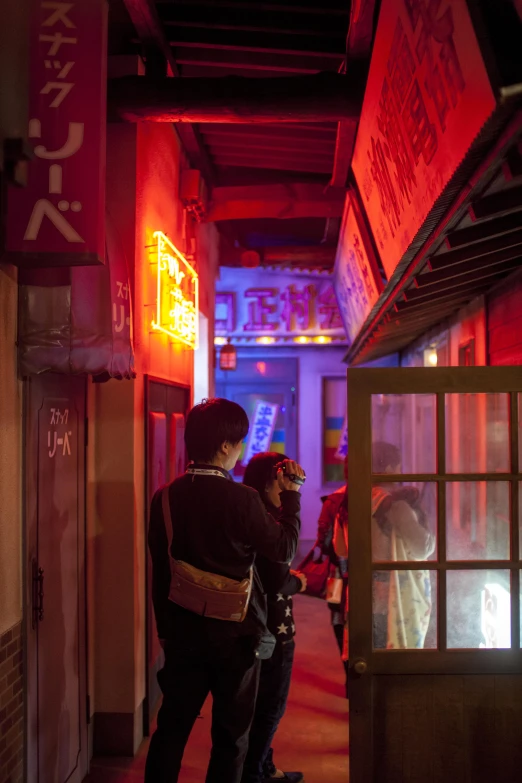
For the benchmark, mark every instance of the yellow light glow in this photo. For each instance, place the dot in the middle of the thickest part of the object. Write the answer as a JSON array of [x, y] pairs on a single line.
[[322, 339], [265, 340], [430, 357], [220, 340], [177, 298], [302, 340]]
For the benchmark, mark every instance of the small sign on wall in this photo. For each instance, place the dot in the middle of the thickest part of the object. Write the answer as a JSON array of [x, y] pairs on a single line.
[[357, 281]]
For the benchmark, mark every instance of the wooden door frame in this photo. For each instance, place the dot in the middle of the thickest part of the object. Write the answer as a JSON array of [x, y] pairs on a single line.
[[362, 383], [148, 379], [29, 549]]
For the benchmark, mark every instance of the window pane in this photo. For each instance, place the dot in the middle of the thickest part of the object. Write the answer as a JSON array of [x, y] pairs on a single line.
[[404, 433], [477, 433], [478, 609], [405, 610], [404, 522], [478, 520]]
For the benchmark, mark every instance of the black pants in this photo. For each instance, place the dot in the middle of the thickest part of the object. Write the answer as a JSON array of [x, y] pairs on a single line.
[[230, 672], [274, 685]]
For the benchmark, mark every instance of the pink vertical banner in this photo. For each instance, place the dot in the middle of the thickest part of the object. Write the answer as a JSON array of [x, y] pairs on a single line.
[[58, 219]]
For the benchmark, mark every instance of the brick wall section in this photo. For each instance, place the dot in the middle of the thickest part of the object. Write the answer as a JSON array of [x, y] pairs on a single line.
[[11, 706]]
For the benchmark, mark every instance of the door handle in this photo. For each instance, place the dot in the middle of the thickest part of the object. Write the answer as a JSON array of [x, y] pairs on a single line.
[[38, 594], [360, 667]]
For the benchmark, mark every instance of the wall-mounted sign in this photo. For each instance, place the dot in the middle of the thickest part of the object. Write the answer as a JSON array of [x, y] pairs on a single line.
[[177, 296], [356, 276], [261, 429], [427, 97], [273, 307], [59, 218]]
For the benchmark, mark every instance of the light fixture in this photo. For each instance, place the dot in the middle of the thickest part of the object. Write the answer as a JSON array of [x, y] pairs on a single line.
[[322, 339], [430, 356], [302, 339], [228, 357], [265, 340], [220, 340]]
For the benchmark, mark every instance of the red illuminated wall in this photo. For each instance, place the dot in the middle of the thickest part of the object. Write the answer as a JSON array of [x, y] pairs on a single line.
[[505, 322]]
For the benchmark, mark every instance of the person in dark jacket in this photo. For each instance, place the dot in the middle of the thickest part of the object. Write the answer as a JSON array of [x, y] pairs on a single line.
[[219, 527], [280, 584], [332, 506]]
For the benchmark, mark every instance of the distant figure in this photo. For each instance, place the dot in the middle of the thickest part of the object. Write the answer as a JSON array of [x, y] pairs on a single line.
[[334, 505], [401, 599], [204, 535], [280, 584]]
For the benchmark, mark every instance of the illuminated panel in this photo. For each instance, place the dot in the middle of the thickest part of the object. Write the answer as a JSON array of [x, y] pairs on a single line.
[[177, 298]]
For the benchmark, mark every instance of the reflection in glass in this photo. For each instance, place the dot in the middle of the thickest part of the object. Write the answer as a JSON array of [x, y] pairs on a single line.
[[477, 433], [404, 522], [478, 609], [405, 610], [404, 426], [478, 520]]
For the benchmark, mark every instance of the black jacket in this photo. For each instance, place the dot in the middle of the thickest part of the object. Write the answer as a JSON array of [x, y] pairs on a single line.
[[219, 526]]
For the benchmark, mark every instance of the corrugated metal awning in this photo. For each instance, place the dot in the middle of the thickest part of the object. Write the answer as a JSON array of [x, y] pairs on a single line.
[[476, 241]]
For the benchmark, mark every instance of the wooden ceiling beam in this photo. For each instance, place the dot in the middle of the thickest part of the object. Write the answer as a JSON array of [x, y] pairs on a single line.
[[222, 145], [320, 256], [290, 134], [461, 283], [277, 164], [144, 16], [294, 200], [509, 200], [263, 40], [319, 97], [257, 61], [306, 7]]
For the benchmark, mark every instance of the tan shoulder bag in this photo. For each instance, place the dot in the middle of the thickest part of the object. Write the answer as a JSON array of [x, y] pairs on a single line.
[[202, 592]]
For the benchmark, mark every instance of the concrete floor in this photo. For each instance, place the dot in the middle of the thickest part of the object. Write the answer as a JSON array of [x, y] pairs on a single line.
[[313, 736]]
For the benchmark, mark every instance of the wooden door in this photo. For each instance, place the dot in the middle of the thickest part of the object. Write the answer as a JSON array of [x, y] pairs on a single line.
[[166, 407], [435, 643], [55, 579]]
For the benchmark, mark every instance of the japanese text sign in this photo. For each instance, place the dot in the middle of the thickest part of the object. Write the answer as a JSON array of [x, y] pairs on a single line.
[[357, 281], [177, 296], [427, 97], [271, 303], [261, 430], [58, 219]]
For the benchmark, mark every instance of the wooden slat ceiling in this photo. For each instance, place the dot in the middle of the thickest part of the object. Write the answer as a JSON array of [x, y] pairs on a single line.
[[479, 244], [265, 38]]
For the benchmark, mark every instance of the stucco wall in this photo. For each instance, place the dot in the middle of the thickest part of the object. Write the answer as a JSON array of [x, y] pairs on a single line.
[[10, 457]]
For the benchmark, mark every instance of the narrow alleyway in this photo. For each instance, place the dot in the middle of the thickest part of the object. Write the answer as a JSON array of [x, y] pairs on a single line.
[[313, 736]]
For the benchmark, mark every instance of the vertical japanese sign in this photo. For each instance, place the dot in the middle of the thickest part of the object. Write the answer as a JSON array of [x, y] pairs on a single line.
[[58, 219], [427, 97], [261, 429], [357, 281]]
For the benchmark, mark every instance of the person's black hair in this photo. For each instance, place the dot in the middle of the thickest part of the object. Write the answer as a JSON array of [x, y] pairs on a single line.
[[260, 471], [384, 455], [210, 424]]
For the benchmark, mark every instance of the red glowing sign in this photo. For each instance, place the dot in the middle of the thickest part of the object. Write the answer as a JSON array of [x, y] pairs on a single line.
[[59, 217], [428, 95], [356, 277]]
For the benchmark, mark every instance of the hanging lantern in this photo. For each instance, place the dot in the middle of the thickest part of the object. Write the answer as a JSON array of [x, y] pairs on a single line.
[[228, 357]]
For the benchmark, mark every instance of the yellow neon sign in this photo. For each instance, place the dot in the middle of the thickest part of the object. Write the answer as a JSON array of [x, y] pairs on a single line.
[[177, 298]]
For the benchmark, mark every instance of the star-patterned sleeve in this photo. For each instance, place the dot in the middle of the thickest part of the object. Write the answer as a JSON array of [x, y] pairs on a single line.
[[276, 577]]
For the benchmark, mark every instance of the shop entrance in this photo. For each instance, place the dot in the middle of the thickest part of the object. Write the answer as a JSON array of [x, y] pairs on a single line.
[[166, 407], [55, 579], [259, 381], [435, 642]]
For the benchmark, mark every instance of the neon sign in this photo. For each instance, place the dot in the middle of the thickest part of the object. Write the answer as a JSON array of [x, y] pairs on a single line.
[[177, 299]]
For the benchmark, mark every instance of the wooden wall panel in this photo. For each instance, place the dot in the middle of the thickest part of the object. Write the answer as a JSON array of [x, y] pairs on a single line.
[[434, 729], [504, 308]]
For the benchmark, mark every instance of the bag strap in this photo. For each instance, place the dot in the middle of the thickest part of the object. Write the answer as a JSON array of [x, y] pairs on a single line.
[[167, 517]]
